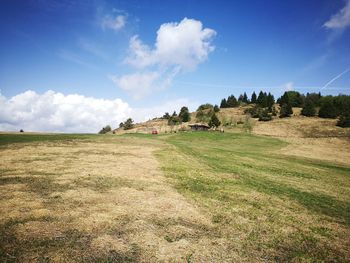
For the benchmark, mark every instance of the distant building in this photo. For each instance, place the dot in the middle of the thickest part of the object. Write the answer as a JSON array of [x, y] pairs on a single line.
[[199, 127]]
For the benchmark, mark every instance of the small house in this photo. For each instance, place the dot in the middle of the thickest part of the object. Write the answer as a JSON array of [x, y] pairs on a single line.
[[199, 127]]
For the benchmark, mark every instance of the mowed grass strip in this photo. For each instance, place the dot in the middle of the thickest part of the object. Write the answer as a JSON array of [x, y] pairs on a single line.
[[269, 206]]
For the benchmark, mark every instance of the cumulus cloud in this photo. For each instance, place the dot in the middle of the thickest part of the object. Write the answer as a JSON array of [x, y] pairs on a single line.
[[56, 112], [184, 44], [341, 20], [113, 22], [53, 111], [179, 47]]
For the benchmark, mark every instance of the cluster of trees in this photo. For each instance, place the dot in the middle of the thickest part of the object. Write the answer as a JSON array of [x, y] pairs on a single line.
[[127, 125], [104, 130], [312, 104], [175, 119], [264, 99], [206, 113]]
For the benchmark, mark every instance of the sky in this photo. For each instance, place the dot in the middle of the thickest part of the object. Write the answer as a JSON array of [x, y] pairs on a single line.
[[75, 66]]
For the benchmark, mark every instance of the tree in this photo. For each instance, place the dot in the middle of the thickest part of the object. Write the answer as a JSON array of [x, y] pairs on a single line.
[[166, 116], [309, 108], [232, 102], [184, 114], [214, 121], [245, 98], [105, 129], [294, 98], [216, 108], [174, 114], [327, 109], [262, 99], [286, 110], [223, 104], [344, 120], [240, 98], [128, 124], [253, 98], [270, 101]]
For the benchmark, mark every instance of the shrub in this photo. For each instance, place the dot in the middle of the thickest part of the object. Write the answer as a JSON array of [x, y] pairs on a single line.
[[174, 120], [344, 120], [265, 116], [254, 112], [286, 110], [104, 130], [205, 106]]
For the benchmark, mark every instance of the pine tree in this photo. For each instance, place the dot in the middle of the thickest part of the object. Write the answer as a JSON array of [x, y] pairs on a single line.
[[216, 108], [253, 98], [245, 98], [270, 101], [309, 108], [214, 121], [327, 110], [223, 104], [286, 110], [232, 102]]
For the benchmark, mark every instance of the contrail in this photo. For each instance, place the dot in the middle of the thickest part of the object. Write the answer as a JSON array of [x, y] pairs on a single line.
[[335, 78]]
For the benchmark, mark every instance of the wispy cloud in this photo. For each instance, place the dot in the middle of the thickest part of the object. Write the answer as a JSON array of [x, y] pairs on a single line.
[[335, 78], [339, 22], [115, 23]]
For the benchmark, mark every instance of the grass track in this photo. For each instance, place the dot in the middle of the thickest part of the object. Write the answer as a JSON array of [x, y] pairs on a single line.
[[281, 208]]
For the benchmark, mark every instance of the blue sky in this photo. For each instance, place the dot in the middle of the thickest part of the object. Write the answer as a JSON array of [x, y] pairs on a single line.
[[109, 49]]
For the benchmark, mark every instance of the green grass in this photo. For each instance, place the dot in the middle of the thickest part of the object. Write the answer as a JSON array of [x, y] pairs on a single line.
[[255, 193]]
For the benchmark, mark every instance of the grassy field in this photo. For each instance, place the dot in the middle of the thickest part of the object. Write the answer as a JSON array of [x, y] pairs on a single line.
[[195, 197]]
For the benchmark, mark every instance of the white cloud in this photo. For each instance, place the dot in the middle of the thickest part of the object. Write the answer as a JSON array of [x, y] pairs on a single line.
[[56, 112], [184, 44], [179, 47], [341, 20], [53, 111], [113, 22]]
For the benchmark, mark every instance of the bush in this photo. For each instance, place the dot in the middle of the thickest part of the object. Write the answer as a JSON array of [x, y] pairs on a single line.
[[255, 112], [174, 120], [344, 120], [205, 107], [286, 110], [105, 130], [265, 116]]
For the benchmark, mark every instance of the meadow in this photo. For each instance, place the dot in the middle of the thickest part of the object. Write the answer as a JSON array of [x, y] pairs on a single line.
[[181, 197]]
